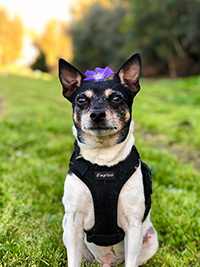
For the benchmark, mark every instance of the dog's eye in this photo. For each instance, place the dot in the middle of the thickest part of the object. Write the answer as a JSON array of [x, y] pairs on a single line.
[[82, 100], [116, 99]]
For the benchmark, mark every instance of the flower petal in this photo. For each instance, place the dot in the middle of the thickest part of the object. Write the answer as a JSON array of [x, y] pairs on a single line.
[[90, 72], [90, 79], [99, 70], [99, 74], [108, 71]]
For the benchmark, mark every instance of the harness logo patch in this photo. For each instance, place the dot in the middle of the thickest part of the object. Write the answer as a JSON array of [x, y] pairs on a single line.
[[106, 175]]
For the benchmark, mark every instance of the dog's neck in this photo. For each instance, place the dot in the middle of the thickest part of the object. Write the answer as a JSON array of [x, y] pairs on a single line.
[[108, 155]]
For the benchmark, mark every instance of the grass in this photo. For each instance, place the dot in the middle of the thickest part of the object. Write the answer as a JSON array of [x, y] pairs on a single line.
[[36, 144]]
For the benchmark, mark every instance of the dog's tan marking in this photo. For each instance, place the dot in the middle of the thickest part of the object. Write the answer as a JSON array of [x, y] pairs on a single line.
[[127, 116], [108, 92], [102, 141], [111, 115], [79, 79], [75, 117], [89, 93], [121, 76]]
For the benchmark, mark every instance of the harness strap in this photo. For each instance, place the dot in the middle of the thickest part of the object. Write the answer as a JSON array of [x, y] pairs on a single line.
[[105, 184]]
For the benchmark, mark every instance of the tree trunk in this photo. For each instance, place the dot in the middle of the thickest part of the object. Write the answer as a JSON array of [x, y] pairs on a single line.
[[172, 66]]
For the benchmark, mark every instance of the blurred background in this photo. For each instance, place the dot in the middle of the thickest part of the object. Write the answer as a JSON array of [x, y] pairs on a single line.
[[36, 139], [91, 33]]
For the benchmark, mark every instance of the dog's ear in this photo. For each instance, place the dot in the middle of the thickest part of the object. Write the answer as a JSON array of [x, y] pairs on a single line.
[[130, 72], [70, 78]]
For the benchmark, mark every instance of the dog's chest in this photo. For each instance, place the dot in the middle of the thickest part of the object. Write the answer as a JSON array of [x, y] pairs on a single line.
[[78, 201], [79, 209]]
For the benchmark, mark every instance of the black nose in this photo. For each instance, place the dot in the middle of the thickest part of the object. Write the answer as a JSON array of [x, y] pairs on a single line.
[[97, 115]]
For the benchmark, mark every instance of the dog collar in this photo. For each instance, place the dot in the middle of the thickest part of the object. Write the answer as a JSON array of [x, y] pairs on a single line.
[[105, 184]]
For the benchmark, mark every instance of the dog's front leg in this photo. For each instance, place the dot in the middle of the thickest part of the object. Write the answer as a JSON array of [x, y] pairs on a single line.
[[133, 244], [73, 238]]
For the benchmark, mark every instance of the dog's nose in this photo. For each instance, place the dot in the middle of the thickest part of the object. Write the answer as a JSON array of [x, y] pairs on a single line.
[[97, 115]]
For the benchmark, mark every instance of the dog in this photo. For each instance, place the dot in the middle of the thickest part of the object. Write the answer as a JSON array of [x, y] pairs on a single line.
[[107, 191]]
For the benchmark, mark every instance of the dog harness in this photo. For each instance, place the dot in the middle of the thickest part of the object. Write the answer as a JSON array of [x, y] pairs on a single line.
[[105, 184]]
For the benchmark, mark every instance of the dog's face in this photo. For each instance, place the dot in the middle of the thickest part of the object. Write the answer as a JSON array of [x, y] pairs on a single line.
[[101, 110]]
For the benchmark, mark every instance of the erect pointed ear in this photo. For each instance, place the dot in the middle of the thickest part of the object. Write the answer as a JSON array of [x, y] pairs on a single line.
[[130, 72], [70, 78]]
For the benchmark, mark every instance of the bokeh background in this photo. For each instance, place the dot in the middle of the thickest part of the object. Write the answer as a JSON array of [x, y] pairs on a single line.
[[36, 139], [90, 33]]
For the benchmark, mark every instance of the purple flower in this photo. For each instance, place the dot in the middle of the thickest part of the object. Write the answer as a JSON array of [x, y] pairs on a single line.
[[98, 74]]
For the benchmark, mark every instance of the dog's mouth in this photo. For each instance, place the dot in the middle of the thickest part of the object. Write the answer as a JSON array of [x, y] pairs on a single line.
[[101, 128]]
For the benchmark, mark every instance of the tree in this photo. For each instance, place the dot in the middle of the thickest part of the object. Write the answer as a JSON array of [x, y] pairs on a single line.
[[166, 33], [55, 43], [40, 63], [80, 7], [11, 37], [97, 38], [191, 37]]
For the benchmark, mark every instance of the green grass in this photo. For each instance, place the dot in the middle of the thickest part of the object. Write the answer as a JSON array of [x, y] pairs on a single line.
[[35, 147]]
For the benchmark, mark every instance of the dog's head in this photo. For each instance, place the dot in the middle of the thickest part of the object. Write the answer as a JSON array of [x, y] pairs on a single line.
[[101, 110]]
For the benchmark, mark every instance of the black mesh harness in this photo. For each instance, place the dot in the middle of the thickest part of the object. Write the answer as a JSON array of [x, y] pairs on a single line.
[[105, 184]]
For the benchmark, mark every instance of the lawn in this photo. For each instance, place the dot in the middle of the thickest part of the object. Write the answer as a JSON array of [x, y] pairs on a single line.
[[36, 144]]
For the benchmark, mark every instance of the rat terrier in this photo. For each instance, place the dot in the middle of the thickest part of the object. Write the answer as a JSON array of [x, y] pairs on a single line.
[[107, 192]]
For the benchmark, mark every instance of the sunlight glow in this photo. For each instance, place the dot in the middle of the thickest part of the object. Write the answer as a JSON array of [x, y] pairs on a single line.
[[35, 14]]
